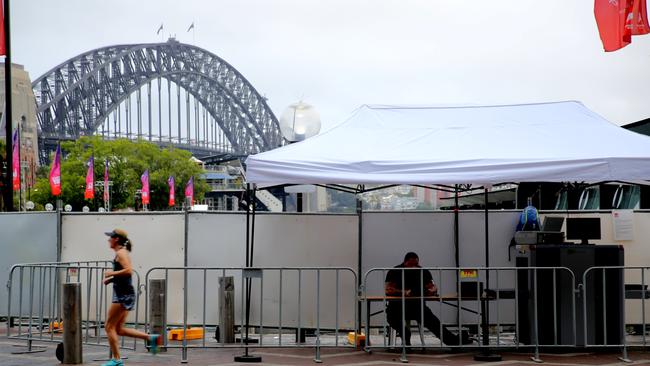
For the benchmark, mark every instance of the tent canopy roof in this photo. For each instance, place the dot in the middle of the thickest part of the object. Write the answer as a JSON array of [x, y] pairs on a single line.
[[554, 142]]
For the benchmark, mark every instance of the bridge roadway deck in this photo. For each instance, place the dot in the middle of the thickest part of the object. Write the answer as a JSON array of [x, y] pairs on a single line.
[[273, 356]]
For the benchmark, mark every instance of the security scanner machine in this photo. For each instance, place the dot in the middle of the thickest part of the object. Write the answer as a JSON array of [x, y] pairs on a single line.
[[553, 293]]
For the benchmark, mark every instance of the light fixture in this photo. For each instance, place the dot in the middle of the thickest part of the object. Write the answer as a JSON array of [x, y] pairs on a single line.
[[299, 121]]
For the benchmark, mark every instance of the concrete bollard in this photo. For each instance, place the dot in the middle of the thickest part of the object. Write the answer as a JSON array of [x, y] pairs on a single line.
[[227, 309], [158, 308], [72, 349]]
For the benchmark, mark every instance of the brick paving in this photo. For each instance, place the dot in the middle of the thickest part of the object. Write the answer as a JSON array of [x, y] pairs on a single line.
[[295, 356]]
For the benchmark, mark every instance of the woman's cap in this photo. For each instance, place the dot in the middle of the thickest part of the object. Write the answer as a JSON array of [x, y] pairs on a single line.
[[117, 233]]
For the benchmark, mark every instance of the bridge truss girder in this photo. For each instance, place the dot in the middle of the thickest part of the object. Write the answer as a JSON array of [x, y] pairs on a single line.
[[76, 97]]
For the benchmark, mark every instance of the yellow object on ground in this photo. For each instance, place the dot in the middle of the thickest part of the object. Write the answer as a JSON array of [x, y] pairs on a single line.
[[192, 333], [361, 339], [56, 325]]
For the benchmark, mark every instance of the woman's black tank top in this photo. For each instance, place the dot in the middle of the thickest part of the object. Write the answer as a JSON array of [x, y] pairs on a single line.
[[121, 284]]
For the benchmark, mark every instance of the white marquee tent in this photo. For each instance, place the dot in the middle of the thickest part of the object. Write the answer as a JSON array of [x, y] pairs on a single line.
[[553, 142]]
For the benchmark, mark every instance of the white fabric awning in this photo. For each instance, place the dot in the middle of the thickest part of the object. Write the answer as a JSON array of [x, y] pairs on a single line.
[[553, 142]]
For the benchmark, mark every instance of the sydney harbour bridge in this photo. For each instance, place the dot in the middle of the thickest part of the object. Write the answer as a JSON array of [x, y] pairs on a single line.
[[168, 93]]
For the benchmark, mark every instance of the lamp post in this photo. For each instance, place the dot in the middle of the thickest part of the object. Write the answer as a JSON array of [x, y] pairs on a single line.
[[298, 122]]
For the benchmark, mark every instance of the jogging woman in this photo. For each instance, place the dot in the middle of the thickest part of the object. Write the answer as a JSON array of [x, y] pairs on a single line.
[[123, 298]]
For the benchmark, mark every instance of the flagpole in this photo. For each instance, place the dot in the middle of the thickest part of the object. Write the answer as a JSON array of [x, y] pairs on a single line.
[[20, 169], [8, 192]]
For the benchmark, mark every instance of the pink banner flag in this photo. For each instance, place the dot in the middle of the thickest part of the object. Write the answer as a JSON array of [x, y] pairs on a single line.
[[90, 179], [15, 156], [55, 173], [106, 188], [189, 190], [172, 195], [3, 40], [145, 187]]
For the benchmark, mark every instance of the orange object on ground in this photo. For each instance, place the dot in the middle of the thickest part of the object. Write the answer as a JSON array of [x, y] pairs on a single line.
[[361, 339], [192, 333], [55, 325]]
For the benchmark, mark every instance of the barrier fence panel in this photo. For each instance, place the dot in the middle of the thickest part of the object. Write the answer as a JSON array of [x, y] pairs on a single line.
[[270, 300], [504, 307], [35, 301], [608, 292]]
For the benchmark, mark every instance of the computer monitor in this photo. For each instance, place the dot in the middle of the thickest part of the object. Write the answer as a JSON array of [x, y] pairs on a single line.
[[553, 223], [583, 228]]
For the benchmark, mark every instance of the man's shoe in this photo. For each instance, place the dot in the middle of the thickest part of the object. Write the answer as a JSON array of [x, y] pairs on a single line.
[[467, 340], [113, 362]]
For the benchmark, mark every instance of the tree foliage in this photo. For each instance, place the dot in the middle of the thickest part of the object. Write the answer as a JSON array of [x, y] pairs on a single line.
[[127, 160]]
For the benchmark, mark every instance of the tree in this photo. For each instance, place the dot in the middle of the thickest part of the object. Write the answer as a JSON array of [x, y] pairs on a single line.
[[127, 161]]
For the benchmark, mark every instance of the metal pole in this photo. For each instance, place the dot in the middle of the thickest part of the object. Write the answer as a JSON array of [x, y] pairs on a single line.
[[185, 292], [157, 311], [456, 248], [486, 354], [360, 257], [72, 348], [8, 192], [227, 309], [246, 357]]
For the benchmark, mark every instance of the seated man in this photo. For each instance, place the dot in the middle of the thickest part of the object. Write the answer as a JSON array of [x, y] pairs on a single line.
[[416, 283]]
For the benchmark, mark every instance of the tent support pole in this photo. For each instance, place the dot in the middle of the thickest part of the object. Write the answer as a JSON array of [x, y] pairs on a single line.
[[456, 248], [486, 354], [250, 230], [360, 259]]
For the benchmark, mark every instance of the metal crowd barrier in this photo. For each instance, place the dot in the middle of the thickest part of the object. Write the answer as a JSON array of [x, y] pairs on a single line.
[[35, 301], [280, 300], [503, 326], [604, 308]]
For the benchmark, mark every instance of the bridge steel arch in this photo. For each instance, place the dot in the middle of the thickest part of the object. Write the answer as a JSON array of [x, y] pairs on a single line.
[[76, 97]]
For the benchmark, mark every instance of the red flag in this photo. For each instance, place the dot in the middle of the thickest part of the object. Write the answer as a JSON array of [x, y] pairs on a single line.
[[3, 42], [611, 16], [16, 161], [90, 179], [145, 187], [637, 19], [55, 173], [106, 187], [189, 190], [172, 196]]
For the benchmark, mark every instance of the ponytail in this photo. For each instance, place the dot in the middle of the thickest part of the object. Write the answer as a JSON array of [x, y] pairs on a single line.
[[127, 244]]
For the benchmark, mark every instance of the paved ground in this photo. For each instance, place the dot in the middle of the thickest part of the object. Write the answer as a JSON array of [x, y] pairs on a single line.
[[295, 356]]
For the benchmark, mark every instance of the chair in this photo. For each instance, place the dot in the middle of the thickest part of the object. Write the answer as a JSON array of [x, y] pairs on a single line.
[[392, 333]]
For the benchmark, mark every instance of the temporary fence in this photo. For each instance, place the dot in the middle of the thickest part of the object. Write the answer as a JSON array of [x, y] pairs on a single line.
[[35, 302], [503, 307], [606, 297], [520, 307], [272, 303]]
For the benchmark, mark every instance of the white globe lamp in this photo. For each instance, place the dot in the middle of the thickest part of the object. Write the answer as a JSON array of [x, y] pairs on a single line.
[[299, 121]]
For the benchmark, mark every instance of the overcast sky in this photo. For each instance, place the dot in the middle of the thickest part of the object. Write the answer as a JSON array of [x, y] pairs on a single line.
[[339, 54]]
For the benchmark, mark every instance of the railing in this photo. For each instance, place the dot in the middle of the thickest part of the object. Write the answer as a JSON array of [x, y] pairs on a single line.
[[275, 304], [515, 308], [35, 301], [537, 304], [604, 308]]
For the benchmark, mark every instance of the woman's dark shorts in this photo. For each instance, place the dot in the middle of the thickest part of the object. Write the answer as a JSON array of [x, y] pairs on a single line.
[[126, 297]]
